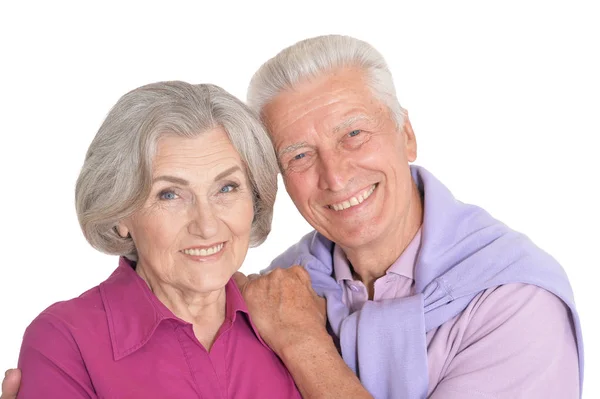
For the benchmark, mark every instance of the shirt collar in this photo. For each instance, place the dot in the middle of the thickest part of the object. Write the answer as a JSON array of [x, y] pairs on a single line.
[[341, 265], [134, 312], [404, 265]]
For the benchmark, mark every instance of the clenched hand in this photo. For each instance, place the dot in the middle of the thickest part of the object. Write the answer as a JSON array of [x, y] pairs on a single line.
[[283, 307]]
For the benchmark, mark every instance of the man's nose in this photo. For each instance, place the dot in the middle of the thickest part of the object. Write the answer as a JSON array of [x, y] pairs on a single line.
[[334, 171]]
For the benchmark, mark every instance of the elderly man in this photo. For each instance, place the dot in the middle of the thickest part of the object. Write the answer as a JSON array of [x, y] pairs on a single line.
[[426, 296]]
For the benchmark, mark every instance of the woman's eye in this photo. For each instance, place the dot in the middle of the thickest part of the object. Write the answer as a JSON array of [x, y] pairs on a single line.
[[168, 195], [228, 188], [354, 133], [300, 156]]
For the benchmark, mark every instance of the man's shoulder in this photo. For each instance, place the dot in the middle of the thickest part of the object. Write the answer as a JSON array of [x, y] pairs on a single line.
[[310, 250], [527, 303], [512, 327]]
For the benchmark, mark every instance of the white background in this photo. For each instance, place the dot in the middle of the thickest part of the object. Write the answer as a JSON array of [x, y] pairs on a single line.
[[504, 99]]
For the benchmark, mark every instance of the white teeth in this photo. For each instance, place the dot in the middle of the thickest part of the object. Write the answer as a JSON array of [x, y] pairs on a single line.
[[354, 200], [203, 252]]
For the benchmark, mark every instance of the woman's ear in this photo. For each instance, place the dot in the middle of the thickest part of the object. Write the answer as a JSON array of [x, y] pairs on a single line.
[[122, 230]]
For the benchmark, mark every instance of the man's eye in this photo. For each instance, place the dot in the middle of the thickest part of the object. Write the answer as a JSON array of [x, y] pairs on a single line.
[[354, 133], [299, 162]]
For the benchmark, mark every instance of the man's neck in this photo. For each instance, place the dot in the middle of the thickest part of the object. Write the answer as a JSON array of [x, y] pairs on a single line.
[[372, 261]]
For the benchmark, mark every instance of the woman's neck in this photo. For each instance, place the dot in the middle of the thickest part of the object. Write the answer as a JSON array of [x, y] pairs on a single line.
[[204, 310]]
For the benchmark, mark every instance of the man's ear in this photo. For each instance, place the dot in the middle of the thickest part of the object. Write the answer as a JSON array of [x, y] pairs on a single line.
[[411, 140]]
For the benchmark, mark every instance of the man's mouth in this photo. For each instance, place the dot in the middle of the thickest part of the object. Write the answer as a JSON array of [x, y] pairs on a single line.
[[356, 200]]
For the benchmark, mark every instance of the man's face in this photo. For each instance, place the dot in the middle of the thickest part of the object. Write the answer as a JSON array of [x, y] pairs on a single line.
[[344, 162]]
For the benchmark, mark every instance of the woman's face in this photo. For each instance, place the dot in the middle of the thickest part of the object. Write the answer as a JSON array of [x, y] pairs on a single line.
[[193, 231]]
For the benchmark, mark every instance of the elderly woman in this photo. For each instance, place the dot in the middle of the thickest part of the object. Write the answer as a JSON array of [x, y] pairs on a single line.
[[179, 181]]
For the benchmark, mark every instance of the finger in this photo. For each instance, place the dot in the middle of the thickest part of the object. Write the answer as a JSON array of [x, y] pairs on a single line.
[[10, 384], [321, 306], [319, 299], [240, 280], [253, 276], [301, 274]]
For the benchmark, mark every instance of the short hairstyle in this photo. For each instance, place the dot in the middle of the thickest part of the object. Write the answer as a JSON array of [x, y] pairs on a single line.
[[116, 177], [310, 58]]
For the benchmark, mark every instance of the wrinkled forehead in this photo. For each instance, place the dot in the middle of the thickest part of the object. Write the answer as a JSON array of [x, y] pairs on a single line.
[[325, 105], [206, 150]]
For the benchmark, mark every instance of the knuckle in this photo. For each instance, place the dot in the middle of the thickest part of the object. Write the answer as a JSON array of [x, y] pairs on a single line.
[[301, 273], [299, 270], [276, 273]]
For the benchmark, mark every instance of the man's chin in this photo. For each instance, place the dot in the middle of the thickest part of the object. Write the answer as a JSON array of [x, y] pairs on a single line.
[[355, 238]]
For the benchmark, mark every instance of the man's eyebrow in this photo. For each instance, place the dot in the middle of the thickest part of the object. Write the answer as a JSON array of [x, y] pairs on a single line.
[[348, 122], [171, 179], [291, 148]]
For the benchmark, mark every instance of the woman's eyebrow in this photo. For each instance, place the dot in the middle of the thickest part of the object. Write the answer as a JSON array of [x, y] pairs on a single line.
[[171, 179], [227, 172]]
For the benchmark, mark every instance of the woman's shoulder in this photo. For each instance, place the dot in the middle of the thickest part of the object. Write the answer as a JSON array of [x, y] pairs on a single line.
[[86, 309], [77, 314], [58, 344]]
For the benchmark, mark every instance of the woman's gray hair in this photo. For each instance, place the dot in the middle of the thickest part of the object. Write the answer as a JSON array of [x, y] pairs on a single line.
[[116, 177], [310, 58]]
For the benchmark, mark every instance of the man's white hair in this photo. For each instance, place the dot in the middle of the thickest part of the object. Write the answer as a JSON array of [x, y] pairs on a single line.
[[311, 58]]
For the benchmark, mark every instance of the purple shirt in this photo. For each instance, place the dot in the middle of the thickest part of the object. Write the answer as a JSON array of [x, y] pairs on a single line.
[[118, 340], [474, 278], [466, 352], [397, 282]]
